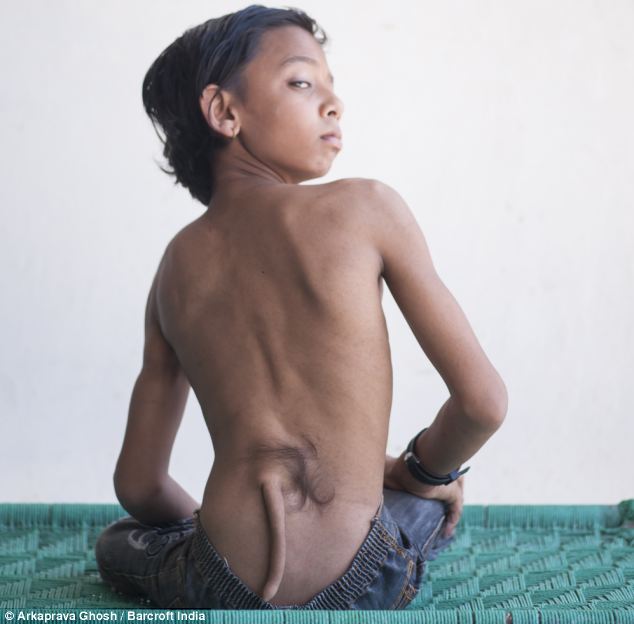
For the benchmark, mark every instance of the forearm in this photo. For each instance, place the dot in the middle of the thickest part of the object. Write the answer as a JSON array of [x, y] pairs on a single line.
[[453, 438], [165, 503]]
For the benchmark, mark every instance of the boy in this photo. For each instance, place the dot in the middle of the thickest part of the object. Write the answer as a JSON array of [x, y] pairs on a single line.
[[269, 306]]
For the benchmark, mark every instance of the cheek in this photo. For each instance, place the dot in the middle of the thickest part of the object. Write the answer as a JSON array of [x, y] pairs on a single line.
[[292, 117], [286, 132], [289, 132], [285, 125]]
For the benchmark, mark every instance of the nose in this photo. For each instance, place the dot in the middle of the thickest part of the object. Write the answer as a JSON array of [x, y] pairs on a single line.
[[333, 106]]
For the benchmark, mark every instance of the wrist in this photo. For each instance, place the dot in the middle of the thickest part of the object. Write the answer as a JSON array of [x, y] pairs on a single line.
[[402, 474], [421, 455], [417, 469]]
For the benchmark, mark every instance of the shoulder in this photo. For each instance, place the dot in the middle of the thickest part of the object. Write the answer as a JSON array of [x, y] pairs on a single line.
[[182, 245], [178, 255], [374, 197], [356, 188], [367, 198], [375, 206]]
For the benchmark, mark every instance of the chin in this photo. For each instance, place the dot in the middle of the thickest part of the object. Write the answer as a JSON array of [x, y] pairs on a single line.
[[311, 170], [311, 175], [316, 176], [319, 172]]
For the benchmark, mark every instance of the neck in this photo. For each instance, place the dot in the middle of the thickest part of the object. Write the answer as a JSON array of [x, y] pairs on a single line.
[[234, 166]]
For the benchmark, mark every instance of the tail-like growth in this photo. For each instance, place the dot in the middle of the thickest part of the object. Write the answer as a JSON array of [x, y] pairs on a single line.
[[274, 505]]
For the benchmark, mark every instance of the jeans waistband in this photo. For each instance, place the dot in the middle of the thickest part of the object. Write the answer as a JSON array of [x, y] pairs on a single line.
[[338, 595]]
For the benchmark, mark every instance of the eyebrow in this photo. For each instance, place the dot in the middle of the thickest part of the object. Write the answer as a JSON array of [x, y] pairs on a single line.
[[304, 59]]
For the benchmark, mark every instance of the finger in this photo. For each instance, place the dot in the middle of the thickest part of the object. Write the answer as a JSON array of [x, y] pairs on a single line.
[[453, 516], [450, 523], [456, 513]]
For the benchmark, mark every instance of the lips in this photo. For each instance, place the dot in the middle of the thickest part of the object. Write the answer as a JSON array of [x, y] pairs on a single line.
[[334, 138]]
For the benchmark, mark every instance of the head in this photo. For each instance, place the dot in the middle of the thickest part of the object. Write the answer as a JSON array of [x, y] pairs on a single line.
[[259, 75]]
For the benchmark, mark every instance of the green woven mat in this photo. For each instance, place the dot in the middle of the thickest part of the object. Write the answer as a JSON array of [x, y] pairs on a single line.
[[508, 563]]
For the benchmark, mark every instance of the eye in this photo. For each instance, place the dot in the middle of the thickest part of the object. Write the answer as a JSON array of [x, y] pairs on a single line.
[[295, 82]]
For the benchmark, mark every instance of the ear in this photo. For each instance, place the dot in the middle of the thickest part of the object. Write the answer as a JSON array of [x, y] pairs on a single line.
[[216, 109]]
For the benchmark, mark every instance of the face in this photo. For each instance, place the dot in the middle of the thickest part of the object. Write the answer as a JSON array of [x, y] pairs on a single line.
[[289, 106]]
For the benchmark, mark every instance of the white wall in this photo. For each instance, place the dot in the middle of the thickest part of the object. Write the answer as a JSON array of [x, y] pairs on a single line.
[[508, 128]]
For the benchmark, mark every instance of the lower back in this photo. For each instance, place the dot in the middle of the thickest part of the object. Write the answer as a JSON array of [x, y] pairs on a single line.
[[320, 542]]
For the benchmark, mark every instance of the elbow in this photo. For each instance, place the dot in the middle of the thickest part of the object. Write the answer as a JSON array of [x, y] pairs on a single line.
[[122, 490], [131, 493], [501, 407], [489, 408]]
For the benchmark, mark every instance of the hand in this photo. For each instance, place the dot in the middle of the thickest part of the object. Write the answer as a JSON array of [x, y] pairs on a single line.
[[398, 477]]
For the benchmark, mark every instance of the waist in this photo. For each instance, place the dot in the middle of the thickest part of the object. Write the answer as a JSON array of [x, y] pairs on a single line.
[[322, 531]]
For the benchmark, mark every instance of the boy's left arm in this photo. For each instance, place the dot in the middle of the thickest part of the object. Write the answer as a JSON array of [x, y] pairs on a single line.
[[141, 480]]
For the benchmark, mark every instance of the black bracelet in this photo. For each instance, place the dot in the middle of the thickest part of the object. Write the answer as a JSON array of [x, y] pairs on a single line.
[[419, 473]]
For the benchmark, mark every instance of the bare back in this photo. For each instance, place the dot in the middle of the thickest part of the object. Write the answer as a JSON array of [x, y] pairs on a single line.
[[272, 304]]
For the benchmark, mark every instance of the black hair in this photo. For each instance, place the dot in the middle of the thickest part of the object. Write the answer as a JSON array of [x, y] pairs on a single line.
[[213, 52]]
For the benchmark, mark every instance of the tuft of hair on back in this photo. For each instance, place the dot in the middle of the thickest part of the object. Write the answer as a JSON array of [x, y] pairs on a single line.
[[214, 52]]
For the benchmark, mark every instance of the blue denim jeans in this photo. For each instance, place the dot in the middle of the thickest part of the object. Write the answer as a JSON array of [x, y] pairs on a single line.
[[175, 566]]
